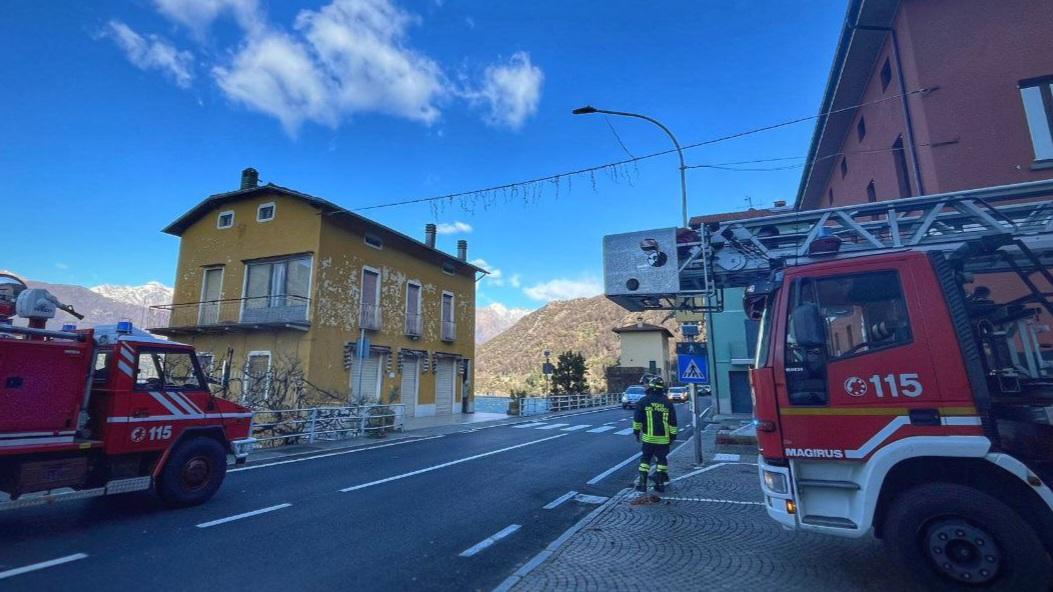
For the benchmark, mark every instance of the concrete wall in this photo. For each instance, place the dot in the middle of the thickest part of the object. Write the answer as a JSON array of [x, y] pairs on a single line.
[[728, 351], [971, 131]]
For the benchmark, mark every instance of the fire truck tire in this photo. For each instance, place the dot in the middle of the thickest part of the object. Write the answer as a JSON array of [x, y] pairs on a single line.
[[193, 473], [954, 537]]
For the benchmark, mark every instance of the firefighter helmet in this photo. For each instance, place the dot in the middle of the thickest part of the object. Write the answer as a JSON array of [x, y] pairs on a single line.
[[656, 384]]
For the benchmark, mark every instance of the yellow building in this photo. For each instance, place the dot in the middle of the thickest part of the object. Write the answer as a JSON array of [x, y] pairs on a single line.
[[293, 283], [644, 348]]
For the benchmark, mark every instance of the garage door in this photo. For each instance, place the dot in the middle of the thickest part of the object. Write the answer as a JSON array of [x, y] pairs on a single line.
[[444, 383], [410, 384], [370, 369]]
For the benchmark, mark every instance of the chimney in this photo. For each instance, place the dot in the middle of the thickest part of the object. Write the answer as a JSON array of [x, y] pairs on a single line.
[[250, 178], [462, 250], [429, 235], [780, 203]]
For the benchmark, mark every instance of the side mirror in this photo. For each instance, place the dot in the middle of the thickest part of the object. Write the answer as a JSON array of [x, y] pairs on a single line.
[[807, 326]]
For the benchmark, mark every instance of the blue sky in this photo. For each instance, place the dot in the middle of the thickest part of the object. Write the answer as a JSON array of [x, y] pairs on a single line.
[[119, 116]]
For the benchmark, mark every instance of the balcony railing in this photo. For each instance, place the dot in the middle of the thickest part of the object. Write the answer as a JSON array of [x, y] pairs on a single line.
[[369, 316], [449, 330], [232, 313], [413, 324]]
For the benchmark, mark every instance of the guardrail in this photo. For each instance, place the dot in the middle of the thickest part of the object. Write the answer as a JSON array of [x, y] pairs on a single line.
[[538, 405], [280, 427]]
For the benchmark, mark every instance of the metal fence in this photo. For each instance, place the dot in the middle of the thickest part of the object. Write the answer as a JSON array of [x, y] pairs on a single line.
[[538, 405], [280, 427]]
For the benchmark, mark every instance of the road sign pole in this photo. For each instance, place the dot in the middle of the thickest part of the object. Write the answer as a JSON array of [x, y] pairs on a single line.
[[696, 423]]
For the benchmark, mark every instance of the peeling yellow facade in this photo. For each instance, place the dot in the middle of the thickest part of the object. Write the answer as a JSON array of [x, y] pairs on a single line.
[[323, 337]]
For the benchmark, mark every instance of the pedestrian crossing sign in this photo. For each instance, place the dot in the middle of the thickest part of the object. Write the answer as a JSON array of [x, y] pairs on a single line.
[[692, 363]]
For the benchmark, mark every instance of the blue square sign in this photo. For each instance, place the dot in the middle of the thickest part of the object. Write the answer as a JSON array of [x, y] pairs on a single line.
[[692, 363]]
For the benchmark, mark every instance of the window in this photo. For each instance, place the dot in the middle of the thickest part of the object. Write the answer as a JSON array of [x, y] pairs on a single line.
[[449, 325], [374, 241], [211, 291], [413, 312], [836, 318], [830, 197], [101, 371], [886, 75], [871, 192], [159, 369], [899, 157], [265, 212], [277, 290], [257, 383], [370, 311], [861, 128], [207, 362], [844, 167], [448, 268], [225, 219], [1037, 96]]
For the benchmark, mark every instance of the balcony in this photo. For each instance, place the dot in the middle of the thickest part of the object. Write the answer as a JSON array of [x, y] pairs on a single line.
[[369, 316], [234, 314], [449, 330], [413, 324]]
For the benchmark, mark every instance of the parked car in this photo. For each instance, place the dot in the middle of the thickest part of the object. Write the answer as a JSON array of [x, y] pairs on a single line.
[[679, 394], [632, 395]]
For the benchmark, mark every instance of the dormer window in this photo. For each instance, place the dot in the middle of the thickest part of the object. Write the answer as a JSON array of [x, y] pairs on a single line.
[[225, 219], [448, 268], [374, 241], [265, 212]]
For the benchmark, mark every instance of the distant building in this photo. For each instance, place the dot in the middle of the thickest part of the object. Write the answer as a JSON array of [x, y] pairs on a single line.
[[731, 337], [985, 117], [290, 280], [644, 349]]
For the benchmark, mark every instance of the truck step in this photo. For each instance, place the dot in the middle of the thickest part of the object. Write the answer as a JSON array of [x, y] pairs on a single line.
[[111, 488], [829, 522]]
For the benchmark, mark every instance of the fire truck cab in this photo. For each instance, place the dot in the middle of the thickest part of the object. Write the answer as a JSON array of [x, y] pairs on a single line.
[[106, 410]]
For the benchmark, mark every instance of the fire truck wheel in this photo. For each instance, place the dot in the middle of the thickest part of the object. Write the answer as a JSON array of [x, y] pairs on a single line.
[[193, 473], [953, 537]]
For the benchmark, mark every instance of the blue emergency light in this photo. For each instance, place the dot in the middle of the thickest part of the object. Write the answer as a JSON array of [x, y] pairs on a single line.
[[124, 327], [69, 327]]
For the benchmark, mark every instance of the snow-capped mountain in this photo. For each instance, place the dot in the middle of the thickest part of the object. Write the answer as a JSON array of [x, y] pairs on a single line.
[[148, 294], [492, 320]]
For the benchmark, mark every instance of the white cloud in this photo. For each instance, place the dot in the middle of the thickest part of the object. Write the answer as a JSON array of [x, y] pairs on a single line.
[[495, 276], [198, 15], [510, 91], [453, 227], [515, 280], [61, 265], [564, 289], [151, 53]]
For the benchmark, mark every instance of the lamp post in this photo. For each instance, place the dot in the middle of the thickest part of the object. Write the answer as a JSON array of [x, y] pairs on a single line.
[[589, 109]]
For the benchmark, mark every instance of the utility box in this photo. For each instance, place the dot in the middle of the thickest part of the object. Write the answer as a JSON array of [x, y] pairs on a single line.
[[639, 264]]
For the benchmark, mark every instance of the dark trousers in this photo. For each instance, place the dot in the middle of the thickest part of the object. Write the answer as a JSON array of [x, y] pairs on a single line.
[[657, 451]]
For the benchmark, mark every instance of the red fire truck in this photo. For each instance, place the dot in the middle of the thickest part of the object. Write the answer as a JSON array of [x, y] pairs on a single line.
[[903, 383], [103, 411]]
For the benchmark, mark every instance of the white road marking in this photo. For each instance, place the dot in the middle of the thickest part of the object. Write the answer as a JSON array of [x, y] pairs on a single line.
[[706, 499], [575, 428], [590, 499], [490, 540], [602, 428], [328, 454], [42, 565], [721, 457], [533, 424], [559, 500], [553, 426], [449, 464], [604, 474], [624, 432], [240, 516]]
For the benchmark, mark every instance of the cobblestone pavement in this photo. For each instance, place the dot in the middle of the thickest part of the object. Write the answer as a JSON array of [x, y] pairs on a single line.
[[716, 536]]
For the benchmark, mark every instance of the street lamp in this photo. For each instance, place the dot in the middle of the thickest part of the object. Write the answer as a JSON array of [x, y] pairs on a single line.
[[589, 109]]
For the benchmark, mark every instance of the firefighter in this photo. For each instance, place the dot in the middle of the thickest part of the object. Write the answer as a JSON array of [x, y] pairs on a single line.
[[654, 425]]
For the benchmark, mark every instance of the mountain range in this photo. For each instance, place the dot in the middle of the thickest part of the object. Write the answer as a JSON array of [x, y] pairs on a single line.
[[492, 320]]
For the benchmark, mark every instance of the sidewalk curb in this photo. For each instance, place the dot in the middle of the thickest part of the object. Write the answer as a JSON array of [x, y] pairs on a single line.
[[554, 546]]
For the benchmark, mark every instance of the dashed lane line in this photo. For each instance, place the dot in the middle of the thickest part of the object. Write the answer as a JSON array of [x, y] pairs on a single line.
[[244, 515], [449, 464], [490, 540], [553, 426], [328, 454], [624, 432], [602, 428], [559, 500], [42, 565], [574, 428], [604, 474]]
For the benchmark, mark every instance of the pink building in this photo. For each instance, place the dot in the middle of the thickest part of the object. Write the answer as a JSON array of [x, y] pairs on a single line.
[[978, 110]]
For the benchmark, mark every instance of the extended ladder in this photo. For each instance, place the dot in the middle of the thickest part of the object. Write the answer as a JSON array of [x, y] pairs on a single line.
[[641, 271]]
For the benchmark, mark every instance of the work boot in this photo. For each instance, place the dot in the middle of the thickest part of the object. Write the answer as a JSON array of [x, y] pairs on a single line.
[[641, 485], [659, 481]]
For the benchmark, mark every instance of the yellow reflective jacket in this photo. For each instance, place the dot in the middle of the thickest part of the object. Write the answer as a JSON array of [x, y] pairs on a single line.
[[655, 419]]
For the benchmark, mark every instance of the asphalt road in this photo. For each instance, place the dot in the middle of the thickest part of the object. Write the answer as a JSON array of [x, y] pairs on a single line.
[[454, 512]]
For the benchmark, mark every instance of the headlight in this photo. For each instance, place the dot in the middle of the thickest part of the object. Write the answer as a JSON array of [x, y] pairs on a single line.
[[625, 398], [776, 482]]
